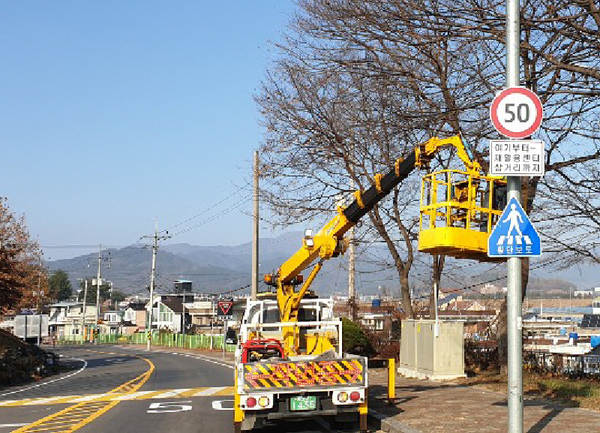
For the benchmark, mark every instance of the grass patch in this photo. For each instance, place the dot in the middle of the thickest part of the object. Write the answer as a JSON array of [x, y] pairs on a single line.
[[577, 393]]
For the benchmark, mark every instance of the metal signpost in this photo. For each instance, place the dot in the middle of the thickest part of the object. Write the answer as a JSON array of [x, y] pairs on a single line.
[[224, 313], [516, 113]]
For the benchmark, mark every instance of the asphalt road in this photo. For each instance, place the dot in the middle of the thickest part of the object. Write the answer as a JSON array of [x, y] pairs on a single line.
[[168, 391]]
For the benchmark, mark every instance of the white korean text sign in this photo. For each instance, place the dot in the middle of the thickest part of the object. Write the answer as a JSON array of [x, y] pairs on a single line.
[[516, 158]]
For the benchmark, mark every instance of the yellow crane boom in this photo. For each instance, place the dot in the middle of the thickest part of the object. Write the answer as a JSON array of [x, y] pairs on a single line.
[[329, 241]]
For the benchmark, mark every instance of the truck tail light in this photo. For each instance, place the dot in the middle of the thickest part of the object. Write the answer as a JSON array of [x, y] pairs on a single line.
[[351, 396], [342, 397], [257, 402]]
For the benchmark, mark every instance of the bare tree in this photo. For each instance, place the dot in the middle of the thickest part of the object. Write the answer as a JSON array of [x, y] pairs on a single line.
[[360, 82]]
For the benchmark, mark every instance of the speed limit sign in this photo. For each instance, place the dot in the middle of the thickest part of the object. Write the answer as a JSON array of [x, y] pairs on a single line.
[[516, 112]]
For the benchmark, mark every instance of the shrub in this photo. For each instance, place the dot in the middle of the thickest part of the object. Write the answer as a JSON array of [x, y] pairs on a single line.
[[354, 339]]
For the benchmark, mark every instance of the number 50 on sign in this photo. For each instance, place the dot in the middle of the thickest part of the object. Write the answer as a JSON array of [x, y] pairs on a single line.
[[516, 112]]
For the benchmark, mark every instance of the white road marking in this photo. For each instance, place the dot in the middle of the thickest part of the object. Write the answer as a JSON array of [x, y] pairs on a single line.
[[169, 407], [45, 400], [172, 393], [52, 381], [202, 358], [133, 396], [88, 398], [196, 356], [218, 405], [12, 425], [210, 391]]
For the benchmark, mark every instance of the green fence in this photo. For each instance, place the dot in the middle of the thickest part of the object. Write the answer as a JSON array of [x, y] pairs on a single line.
[[70, 339], [158, 339]]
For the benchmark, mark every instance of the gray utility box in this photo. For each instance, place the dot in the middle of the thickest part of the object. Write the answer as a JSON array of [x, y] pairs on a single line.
[[432, 351]]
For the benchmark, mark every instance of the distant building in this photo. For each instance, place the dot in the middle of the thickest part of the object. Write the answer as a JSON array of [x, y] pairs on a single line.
[[169, 313], [202, 314], [66, 318], [111, 322], [182, 286], [135, 317], [491, 289], [596, 303]]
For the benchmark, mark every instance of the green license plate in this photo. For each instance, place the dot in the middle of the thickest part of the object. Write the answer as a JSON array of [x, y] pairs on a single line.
[[303, 403]]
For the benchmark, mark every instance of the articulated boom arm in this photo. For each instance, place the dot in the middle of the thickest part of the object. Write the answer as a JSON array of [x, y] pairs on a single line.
[[427, 150], [329, 241]]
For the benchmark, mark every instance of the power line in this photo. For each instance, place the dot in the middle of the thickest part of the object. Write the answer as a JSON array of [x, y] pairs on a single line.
[[211, 219], [207, 209]]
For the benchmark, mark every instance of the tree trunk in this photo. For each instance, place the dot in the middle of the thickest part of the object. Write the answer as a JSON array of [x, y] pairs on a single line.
[[405, 291], [437, 269]]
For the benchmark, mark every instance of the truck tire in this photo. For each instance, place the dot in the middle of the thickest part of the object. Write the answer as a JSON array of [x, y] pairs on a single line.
[[344, 421]]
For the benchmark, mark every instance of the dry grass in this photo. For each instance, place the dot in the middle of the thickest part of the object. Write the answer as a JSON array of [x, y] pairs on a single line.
[[578, 393]]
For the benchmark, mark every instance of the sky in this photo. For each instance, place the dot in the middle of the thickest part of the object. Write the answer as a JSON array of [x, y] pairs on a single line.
[[115, 113]]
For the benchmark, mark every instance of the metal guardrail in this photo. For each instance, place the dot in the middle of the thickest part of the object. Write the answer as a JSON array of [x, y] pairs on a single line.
[[184, 341], [573, 366]]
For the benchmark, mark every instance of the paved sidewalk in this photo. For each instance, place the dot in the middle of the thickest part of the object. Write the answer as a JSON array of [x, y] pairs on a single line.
[[425, 406]]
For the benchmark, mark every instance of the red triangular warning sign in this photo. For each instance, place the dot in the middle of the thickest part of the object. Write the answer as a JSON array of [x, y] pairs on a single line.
[[224, 307]]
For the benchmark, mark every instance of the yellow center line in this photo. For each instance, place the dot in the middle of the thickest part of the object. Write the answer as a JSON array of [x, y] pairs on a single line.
[[81, 414], [96, 399]]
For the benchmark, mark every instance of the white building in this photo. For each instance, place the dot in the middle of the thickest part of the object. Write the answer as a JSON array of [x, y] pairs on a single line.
[[66, 318]]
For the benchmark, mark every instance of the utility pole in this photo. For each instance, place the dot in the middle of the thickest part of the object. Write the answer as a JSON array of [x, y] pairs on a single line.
[[155, 238], [514, 283], [352, 275], [254, 290], [85, 285], [39, 308], [98, 278], [98, 282], [352, 264]]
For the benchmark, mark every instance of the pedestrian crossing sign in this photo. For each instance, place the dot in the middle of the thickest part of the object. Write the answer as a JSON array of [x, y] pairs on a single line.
[[514, 235]]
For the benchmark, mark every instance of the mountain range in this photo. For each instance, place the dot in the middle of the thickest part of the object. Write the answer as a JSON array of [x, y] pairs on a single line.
[[218, 269]]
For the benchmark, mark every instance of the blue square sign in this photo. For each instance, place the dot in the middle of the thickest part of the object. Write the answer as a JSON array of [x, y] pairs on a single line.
[[514, 235]]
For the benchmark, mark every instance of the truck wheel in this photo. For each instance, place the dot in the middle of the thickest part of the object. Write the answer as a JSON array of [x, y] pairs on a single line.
[[345, 421]]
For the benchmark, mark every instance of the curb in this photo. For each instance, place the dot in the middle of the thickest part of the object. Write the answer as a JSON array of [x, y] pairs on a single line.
[[390, 425]]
